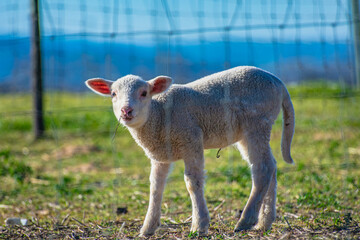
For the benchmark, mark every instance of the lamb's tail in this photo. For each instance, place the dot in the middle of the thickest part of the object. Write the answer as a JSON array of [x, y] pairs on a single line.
[[288, 126]]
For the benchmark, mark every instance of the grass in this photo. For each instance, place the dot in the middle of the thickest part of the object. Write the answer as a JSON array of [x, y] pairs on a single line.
[[80, 183]]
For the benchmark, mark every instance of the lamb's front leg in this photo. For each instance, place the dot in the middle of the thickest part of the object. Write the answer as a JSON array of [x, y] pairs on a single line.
[[194, 179], [159, 172]]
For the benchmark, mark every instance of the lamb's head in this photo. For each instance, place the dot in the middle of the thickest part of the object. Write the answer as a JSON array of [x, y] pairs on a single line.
[[131, 96]]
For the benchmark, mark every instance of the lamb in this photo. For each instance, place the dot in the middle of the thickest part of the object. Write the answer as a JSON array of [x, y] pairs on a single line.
[[171, 122]]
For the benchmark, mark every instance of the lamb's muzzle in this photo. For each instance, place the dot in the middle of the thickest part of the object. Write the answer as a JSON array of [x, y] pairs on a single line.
[[127, 113]]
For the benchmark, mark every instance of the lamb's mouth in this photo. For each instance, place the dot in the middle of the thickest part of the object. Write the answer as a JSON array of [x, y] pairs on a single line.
[[127, 118]]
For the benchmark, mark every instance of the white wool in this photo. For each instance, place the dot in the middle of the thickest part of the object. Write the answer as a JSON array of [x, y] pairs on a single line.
[[236, 106]]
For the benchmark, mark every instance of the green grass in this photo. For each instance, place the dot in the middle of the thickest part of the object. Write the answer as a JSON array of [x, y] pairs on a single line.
[[71, 183]]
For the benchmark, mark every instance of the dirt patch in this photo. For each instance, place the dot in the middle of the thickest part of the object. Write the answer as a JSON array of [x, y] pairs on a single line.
[[81, 168], [69, 151], [354, 151], [325, 136]]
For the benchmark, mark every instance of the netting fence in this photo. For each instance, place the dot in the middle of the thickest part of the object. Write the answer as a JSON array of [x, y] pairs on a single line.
[[302, 40]]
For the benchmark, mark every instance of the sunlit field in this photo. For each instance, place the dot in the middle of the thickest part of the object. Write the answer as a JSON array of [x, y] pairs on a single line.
[[83, 181]]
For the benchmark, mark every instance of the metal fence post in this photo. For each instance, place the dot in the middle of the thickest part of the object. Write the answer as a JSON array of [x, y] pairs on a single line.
[[36, 75], [356, 32]]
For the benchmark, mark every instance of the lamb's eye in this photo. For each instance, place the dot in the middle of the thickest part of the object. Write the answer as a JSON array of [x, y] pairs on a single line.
[[143, 94], [113, 94]]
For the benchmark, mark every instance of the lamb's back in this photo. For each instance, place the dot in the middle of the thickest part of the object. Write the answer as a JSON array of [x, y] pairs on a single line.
[[222, 104]]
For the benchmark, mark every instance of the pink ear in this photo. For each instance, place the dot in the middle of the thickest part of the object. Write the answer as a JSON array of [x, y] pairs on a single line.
[[99, 86], [159, 84]]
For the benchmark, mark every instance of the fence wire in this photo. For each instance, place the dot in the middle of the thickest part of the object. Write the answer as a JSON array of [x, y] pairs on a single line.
[[81, 39]]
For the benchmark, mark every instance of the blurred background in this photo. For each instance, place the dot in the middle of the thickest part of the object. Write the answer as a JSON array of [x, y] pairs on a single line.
[[65, 162], [296, 40]]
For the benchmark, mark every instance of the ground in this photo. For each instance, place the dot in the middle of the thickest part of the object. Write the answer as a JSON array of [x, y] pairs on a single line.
[[82, 182]]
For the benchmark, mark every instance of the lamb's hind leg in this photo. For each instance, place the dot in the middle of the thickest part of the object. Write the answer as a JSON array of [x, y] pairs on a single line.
[[257, 150], [267, 213]]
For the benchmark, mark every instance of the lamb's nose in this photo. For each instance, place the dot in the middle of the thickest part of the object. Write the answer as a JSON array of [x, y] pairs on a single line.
[[127, 111]]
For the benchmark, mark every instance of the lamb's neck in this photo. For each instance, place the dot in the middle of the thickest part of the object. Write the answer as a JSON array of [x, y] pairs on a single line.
[[150, 129]]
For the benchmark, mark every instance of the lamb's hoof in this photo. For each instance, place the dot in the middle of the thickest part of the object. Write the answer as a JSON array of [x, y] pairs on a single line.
[[243, 226], [148, 230], [262, 227], [264, 223], [200, 233], [146, 233], [200, 227]]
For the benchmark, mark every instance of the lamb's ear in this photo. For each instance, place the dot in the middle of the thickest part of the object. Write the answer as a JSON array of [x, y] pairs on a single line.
[[100, 86], [159, 84]]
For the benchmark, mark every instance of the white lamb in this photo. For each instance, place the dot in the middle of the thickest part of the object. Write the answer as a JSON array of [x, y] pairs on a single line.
[[172, 122]]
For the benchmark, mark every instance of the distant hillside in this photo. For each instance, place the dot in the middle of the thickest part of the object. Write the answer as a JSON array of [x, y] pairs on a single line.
[[68, 63]]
